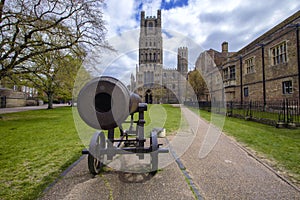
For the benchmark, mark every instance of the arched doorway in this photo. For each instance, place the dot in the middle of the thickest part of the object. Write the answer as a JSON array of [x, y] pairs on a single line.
[[148, 96]]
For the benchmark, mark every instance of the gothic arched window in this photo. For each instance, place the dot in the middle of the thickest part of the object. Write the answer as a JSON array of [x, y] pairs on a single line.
[[150, 25]]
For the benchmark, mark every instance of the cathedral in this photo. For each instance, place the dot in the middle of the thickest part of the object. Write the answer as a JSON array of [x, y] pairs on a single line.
[[152, 81]]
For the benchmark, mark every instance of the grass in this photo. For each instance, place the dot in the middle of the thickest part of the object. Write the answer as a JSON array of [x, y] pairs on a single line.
[[36, 146], [163, 115], [281, 147], [158, 116]]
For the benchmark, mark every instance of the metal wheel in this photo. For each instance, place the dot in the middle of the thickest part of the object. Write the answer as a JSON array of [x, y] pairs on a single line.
[[154, 153], [95, 158]]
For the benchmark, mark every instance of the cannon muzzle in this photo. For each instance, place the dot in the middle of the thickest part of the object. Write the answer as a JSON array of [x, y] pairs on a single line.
[[105, 103]]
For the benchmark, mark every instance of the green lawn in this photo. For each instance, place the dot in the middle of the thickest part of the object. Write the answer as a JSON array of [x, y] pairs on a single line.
[[163, 115], [35, 147], [158, 116], [280, 146]]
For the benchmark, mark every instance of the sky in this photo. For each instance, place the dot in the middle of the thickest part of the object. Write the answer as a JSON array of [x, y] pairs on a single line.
[[198, 24]]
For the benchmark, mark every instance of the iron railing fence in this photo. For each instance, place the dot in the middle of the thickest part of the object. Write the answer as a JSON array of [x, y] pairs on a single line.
[[281, 113]]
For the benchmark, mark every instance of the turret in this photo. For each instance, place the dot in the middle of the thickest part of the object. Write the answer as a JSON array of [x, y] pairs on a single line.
[[182, 60]]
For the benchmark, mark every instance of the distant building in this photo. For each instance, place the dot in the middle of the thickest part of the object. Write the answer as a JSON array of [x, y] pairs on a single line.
[[12, 95], [152, 82], [209, 63]]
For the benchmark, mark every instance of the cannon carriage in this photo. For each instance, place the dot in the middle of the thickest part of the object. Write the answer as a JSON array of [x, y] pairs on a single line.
[[105, 104]]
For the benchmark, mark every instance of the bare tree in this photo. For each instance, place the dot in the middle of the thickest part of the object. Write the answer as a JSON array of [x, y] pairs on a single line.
[[27, 26]]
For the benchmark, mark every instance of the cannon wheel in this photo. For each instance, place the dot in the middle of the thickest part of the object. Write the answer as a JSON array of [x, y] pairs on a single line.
[[94, 164], [154, 153]]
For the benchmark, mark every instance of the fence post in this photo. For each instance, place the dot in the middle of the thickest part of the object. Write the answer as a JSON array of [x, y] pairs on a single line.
[[291, 114], [284, 111]]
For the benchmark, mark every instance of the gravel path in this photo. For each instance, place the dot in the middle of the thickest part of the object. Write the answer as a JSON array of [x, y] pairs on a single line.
[[228, 172]]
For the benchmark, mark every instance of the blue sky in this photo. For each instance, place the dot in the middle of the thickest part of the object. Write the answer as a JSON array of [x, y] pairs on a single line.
[[205, 22]]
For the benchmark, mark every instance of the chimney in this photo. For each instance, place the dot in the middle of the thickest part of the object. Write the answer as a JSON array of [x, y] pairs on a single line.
[[225, 47]]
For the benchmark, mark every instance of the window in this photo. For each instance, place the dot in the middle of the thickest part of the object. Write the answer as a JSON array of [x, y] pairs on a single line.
[[287, 87], [246, 91], [225, 73], [249, 65], [232, 72], [150, 25], [279, 54]]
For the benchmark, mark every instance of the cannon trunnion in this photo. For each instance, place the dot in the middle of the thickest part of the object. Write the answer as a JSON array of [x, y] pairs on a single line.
[[105, 103]]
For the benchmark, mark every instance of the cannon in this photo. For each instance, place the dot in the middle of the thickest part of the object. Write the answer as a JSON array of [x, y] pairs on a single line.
[[105, 104]]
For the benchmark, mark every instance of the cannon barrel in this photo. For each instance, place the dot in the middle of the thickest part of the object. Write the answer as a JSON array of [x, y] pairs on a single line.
[[105, 103]]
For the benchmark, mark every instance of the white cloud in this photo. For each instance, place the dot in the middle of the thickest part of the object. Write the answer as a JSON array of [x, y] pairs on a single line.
[[119, 16], [203, 22]]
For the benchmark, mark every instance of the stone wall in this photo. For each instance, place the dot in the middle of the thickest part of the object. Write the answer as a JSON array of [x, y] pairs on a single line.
[[13, 98], [275, 73]]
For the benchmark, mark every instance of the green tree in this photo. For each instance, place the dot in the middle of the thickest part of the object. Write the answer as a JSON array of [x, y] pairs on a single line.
[[52, 73], [27, 26], [198, 84]]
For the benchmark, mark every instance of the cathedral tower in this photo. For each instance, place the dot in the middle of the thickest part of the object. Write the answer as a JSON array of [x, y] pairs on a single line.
[[150, 51], [152, 82], [182, 68], [150, 42], [182, 60]]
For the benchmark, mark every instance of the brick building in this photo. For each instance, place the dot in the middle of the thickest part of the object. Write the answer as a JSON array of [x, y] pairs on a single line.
[[267, 69]]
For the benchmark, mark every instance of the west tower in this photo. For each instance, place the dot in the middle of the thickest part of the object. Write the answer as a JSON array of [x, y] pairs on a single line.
[[154, 83]]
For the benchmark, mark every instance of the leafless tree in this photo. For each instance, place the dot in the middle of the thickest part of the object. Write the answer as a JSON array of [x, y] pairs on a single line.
[[27, 29]]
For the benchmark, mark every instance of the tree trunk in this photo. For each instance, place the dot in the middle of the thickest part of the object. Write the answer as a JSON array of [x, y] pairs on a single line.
[[2, 2], [50, 100]]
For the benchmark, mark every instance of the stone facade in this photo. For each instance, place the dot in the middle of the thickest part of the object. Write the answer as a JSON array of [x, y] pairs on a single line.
[[15, 96], [152, 81], [265, 70], [209, 64]]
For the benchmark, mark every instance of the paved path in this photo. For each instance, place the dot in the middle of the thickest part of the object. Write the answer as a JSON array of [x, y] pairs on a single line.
[[26, 108], [79, 184], [227, 172]]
